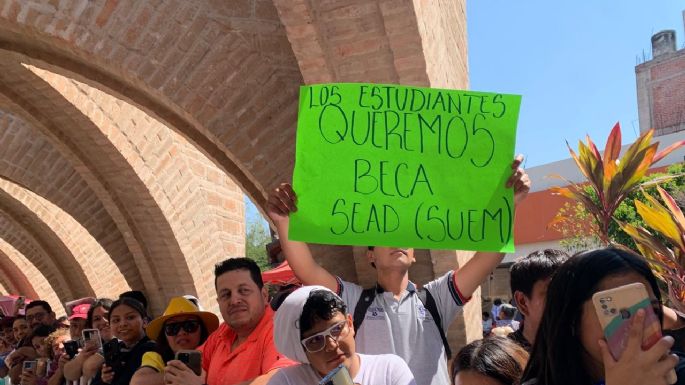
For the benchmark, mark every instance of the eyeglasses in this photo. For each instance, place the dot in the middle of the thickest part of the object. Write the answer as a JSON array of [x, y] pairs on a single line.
[[38, 317], [190, 326], [317, 342]]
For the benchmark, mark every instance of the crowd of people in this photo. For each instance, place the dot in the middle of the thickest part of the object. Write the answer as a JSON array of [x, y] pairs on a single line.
[[331, 330]]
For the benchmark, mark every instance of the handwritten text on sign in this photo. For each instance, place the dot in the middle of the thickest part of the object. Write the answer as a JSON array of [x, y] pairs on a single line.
[[384, 165]]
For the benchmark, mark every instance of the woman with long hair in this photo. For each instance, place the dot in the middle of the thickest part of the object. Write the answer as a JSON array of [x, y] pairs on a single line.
[[88, 362], [570, 348], [128, 319]]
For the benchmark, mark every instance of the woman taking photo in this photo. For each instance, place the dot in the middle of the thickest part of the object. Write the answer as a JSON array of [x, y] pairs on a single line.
[[182, 327], [89, 360], [570, 348], [127, 320]]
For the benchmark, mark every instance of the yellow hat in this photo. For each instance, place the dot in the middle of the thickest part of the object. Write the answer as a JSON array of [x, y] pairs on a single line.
[[181, 306]]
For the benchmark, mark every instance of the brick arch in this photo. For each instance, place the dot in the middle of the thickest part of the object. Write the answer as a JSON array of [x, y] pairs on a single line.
[[199, 200], [107, 172], [15, 279], [100, 271], [61, 264], [47, 173], [30, 243], [223, 76], [38, 280]]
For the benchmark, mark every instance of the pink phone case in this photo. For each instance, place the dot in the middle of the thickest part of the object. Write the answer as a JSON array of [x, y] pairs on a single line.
[[615, 309]]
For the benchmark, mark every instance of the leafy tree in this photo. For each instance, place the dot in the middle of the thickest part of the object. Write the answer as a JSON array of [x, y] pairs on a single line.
[[256, 239]]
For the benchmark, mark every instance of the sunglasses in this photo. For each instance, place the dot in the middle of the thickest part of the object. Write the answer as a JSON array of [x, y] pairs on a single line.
[[190, 326], [317, 342]]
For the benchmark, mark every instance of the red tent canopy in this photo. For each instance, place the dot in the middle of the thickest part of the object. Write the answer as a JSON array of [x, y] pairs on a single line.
[[281, 275]]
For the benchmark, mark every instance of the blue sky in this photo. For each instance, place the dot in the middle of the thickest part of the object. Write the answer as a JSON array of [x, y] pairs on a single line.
[[573, 62]]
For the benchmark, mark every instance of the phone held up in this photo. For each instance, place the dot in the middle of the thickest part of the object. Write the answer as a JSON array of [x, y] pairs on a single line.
[[192, 359], [112, 353], [91, 339], [615, 309], [337, 376], [71, 348]]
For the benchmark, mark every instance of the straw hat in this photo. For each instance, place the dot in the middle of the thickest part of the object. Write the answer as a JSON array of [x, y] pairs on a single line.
[[181, 306]]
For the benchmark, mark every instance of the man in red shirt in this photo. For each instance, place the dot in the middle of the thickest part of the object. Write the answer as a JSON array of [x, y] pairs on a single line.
[[242, 350]]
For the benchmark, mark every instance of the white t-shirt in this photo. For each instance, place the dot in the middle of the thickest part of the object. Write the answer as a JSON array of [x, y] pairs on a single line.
[[381, 369]]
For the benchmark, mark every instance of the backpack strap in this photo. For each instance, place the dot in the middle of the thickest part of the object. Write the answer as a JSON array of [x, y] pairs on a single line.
[[363, 304], [426, 298]]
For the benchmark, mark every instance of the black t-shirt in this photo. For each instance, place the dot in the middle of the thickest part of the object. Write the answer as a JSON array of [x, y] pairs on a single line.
[[130, 362]]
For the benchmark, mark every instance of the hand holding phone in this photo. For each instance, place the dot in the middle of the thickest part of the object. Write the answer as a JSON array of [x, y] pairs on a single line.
[[338, 376], [616, 308], [192, 359], [112, 353], [91, 339], [71, 348], [29, 367]]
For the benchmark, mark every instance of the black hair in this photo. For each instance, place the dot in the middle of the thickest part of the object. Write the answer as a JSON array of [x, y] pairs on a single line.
[[162, 347], [130, 302], [536, 266], [321, 305], [100, 302], [239, 264], [497, 302], [137, 295], [486, 315], [557, 356], [46, 306], [498, 358]]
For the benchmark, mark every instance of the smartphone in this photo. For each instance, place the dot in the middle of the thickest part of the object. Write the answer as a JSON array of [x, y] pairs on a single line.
[[29, 366], [338, 376], [615, 309], [192, 359], [91, 337], [112, 353], [71, 348]]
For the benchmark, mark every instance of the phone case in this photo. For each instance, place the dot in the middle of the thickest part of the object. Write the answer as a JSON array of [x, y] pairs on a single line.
[[338, 376], [192, 359], [615, 309], [92, 336]]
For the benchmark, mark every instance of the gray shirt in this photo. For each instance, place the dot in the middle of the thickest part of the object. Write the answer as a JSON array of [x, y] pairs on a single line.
[[404, 327]]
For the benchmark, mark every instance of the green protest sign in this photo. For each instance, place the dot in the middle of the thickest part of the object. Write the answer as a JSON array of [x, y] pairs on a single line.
[[388, 165]]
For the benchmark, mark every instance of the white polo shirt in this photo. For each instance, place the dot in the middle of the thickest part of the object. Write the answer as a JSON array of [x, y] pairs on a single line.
[[404, 327]]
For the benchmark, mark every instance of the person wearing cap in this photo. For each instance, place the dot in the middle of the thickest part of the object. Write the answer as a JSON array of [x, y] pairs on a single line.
[[89, 360], [77, 320], [312, 326], [242, 350], [182, 327]]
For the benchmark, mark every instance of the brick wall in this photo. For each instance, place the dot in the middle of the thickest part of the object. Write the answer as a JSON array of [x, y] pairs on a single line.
[[661, 93]]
